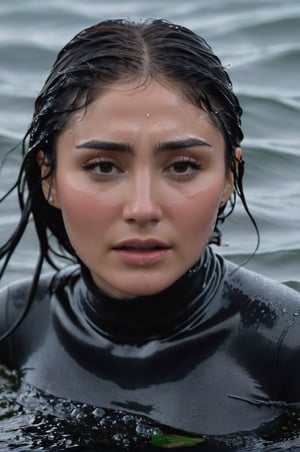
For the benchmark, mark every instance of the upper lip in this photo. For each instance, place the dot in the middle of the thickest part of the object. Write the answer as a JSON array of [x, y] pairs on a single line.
[[141, 243]]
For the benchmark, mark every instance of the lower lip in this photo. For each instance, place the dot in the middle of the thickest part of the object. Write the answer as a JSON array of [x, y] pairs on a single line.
[[142, 258]]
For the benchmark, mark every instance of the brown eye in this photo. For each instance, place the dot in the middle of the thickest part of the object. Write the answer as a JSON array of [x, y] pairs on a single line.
[[184, 166], [181, 167], [105, 167], [102, 167]]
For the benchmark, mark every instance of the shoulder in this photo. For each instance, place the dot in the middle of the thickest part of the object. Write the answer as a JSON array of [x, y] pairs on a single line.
[[262, 306], [17, 292], [14, 296], [268, 325], [14, 299], [247, 284], [48, 282]]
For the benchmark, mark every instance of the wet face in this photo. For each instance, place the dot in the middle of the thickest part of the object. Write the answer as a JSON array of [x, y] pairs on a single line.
[[139, 180]]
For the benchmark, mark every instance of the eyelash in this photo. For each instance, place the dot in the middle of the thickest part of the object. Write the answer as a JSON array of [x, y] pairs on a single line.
[[189, 162], [92, 166]]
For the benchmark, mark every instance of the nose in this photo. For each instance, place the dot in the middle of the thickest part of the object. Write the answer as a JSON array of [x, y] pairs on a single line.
[[143, 204]]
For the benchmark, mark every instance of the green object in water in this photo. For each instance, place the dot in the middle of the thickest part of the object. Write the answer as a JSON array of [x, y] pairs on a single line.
[[169, 441]]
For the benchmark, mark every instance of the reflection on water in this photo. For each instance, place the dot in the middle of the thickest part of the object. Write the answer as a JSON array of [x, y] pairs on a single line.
[[32, 420]]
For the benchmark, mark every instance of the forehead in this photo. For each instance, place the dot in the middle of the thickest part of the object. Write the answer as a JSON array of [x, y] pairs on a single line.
[[124, 107], [139, 93]]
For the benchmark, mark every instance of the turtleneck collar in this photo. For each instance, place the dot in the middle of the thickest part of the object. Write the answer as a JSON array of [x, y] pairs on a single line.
[[165, 314]]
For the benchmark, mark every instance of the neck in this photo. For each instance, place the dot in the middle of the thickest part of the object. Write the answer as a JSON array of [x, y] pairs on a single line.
[[149, 317]]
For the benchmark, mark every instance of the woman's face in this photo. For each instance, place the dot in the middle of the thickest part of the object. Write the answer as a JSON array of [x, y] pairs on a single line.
[[139, 180]]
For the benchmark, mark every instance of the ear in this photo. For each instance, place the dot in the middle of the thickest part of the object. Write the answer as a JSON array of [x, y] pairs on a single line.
[[229, 181], [238, 154], [48, 180]]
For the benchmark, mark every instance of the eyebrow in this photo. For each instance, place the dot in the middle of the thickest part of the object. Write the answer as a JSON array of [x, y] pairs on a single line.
[[106, 146], [181, 144], [128, 148]]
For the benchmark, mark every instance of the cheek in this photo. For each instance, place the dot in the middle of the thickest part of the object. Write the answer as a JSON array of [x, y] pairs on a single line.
[[84, 213], [200, 210], [196, 218]]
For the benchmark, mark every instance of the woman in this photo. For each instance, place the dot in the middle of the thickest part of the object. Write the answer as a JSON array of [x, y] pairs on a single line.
[[133, 161]]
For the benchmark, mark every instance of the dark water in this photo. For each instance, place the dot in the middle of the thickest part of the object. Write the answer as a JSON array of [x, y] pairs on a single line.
[[31, 420], [259, 42]]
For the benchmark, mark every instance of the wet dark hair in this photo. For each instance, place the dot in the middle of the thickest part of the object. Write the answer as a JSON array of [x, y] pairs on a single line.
[[108, 52]]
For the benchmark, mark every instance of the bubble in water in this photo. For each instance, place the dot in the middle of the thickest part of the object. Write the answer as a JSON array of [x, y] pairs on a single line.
[[117, 437], [78, 414], [98, 412], [147, 431], [128, 419]]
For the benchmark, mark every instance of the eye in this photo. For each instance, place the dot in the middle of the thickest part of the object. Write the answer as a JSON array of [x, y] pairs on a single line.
[[102, 167], [184, 166]]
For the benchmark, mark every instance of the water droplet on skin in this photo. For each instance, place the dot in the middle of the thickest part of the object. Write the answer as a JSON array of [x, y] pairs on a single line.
[[296, 314], [284, 310]]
